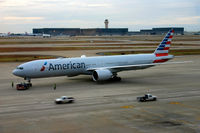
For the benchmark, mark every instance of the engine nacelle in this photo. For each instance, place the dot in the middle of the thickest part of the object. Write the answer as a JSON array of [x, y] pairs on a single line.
[[100, 75]]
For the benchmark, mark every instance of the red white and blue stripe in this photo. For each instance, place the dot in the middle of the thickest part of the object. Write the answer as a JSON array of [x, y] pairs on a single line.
[[162, 50]]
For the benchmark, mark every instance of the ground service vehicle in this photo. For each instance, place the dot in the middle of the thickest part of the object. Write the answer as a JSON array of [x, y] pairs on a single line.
[[23, 86], [64, 99], [147, 97]]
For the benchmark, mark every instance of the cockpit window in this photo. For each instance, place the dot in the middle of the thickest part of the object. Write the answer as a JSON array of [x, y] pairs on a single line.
[[20, 68]]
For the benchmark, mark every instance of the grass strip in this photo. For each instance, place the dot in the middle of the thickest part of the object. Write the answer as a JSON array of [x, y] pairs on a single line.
[[24, 58]]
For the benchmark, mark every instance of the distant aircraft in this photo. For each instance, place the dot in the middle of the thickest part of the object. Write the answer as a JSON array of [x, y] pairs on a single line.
[[33, 34], [4, 34], [46, 35], [100, 67]]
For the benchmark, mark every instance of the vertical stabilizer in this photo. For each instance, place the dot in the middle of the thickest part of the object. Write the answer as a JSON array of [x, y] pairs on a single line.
[[163, 48]]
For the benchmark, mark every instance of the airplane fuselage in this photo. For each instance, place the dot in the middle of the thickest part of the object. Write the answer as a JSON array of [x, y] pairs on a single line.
[[76, 66]]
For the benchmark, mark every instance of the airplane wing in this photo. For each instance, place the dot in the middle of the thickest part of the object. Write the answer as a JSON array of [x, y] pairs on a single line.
[[134, 67]]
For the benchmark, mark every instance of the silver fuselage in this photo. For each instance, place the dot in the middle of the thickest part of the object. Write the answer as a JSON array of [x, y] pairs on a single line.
[[79, 65]]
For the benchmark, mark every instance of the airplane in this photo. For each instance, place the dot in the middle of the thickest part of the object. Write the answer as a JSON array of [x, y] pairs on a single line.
[[101, 68], [5, 34]]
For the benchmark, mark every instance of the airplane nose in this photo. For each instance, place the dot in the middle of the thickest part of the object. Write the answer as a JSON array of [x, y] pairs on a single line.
[[17, 73], [14, 72]]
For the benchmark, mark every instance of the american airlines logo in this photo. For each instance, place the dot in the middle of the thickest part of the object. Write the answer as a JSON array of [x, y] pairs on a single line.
[[43, 67], [66, 66]]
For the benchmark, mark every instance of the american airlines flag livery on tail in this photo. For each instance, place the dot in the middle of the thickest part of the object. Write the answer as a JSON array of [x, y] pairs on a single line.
[[163, 49], [99, 67]]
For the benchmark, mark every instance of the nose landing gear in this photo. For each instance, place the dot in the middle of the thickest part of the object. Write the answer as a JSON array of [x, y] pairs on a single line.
[[29, 82]]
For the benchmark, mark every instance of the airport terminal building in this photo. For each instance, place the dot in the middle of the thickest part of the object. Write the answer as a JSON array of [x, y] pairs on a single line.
[[105, 31], [78, 31], [161, 31], [57, 31]]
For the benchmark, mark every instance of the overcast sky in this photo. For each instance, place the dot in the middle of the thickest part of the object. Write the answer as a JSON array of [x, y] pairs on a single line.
[[20, 16]]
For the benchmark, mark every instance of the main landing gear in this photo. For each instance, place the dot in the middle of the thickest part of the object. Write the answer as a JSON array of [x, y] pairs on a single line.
[[116, 78]]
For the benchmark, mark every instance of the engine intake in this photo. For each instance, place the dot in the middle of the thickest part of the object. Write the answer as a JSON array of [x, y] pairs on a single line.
[[101, 75]]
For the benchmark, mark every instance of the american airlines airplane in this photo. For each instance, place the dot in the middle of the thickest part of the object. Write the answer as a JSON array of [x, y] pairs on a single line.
[[101, 67]]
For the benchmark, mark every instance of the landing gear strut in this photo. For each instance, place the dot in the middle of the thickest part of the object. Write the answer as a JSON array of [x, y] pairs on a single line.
[[29, 81], [115, 78]]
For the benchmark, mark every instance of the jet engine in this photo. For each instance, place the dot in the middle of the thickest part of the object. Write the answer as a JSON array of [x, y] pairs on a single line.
[[100, 75]]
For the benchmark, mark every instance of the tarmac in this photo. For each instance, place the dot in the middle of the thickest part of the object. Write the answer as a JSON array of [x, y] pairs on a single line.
[[108, 107]]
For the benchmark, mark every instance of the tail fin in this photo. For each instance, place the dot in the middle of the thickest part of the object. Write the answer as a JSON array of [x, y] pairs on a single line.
[[163, 48]]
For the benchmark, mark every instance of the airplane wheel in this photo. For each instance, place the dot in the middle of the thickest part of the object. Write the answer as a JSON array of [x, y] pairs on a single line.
[[119, 79], [116, 78]]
